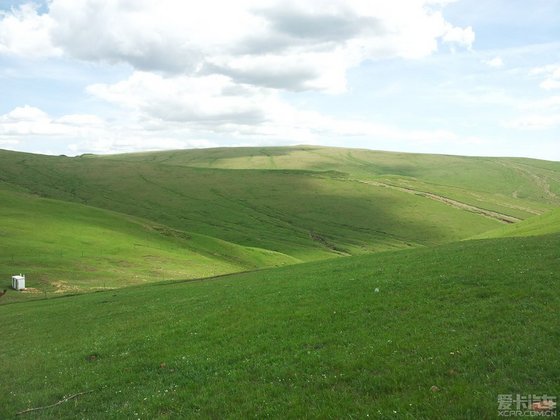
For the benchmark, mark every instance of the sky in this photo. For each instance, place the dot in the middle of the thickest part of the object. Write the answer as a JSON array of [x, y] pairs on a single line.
[[464, 77]]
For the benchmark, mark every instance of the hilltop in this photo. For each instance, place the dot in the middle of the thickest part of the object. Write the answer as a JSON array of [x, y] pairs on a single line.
[[513, 185]]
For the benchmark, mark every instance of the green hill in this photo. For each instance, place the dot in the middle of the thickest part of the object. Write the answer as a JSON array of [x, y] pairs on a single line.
[[305, 214], [534, 226], [514, 186], [67, 247], [423, 334], [438, 331], [212, 211]]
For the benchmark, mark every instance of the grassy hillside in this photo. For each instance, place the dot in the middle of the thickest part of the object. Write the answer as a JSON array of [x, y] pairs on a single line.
[[515, 186], [301, 213], [534, 226], [67, 247], [197, 213], [474, 319]]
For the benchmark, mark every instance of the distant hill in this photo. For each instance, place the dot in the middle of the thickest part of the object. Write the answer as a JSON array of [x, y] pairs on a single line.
[[511, 185], [246, 208]]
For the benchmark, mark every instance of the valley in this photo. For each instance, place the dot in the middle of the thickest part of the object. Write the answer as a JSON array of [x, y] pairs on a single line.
[[299, 281]]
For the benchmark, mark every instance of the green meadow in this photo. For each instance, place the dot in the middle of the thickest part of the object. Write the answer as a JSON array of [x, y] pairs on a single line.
[[474, 319], [66, 247], [306, 202], [516, 186], [282, 282], [534, 226]]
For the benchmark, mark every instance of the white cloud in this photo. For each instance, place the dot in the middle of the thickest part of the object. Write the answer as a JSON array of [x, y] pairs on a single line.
[[212, 99], [215, 105], [273, 43], [25, 32], [89, 133], [551, 73], [27, 120], [207, 71], [23, 114], [81, 120], [153, 129], [459, 36]]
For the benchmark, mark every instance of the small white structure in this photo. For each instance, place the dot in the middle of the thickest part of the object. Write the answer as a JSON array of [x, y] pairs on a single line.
[[18, 282]]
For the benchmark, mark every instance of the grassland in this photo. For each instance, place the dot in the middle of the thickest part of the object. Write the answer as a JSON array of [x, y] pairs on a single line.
[[415, 321], [516, 186], [305, 214], [474, 319], [66, 247], [124, 219], [538, 225]]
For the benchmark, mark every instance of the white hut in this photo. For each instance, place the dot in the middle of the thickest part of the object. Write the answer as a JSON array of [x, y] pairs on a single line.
[[18, 282]]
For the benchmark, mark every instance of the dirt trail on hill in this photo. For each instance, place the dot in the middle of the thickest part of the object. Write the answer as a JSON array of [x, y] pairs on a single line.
[[541, 181], [503, 218]]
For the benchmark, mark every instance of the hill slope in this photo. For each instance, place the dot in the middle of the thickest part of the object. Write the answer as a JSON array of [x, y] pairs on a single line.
[[262, 207], [305, 214], [67, 247], [475, 319], [515, 186], [538, 225]]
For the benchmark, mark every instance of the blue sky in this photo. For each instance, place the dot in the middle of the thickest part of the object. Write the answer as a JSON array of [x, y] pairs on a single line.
[[432, 76]]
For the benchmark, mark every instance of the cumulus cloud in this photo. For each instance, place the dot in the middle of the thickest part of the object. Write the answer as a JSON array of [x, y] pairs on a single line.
[[208, 70], [212, 99], [244, 114], [151, 129], [89, 133], [25, 32], [273, 43], [459, 36], [27, 120]]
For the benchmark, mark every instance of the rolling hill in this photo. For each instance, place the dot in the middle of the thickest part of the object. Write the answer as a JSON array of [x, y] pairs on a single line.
[[229, 210], [68, 247], [315, 321], [514, 186], [534, 226]]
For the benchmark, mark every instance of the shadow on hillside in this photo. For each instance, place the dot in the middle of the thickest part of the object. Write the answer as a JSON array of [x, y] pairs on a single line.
[[280, 211]]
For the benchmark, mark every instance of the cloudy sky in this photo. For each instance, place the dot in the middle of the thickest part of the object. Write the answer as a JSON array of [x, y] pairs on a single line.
[[465, 77]]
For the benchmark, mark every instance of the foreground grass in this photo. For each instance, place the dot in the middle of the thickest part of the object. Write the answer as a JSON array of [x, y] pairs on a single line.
[[476, 319]]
